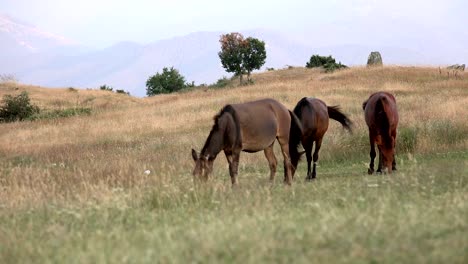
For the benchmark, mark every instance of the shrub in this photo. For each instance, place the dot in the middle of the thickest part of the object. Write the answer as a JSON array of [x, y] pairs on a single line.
[[122, 92], [190, 85], [331, 67], [106, 88], [17, 108], [169, 81], [328, 63], [8, 78], [319, 61], [221, 83], [110, 89]]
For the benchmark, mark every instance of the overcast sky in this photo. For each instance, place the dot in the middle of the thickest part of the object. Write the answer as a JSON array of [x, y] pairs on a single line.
[[101, 23]]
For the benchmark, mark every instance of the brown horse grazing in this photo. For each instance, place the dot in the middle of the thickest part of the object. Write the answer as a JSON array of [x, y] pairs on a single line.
[[250, 127], [314, 115], [381, 114]]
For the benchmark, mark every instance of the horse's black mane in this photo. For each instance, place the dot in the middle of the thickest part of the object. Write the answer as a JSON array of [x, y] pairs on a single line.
[[297, 110], [228, 109]]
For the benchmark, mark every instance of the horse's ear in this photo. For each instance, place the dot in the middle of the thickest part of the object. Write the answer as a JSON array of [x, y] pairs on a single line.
[[194, 155]]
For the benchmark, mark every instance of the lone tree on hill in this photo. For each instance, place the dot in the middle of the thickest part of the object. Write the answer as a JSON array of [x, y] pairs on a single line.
[[169, 81], [231, 53], [241, 56], [254, 55]]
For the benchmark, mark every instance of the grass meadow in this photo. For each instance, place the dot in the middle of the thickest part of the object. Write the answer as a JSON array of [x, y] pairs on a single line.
[[74, 190]]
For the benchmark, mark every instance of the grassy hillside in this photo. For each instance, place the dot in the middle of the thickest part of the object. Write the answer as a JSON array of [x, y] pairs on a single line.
[[74, 189]]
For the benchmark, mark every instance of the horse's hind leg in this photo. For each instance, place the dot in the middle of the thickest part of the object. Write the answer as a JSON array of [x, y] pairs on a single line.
[[372, 154], [308, 150], [272, 162], [318, 144], [379, 168], [394, 145], [287, 161]]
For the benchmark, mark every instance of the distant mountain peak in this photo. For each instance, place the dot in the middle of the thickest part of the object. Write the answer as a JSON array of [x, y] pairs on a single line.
[[28, 36]]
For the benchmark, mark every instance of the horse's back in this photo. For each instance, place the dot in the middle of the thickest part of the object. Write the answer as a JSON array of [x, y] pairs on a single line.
[[260, 110], [313, 114], [381, 103], [261, 122], [261, 105]]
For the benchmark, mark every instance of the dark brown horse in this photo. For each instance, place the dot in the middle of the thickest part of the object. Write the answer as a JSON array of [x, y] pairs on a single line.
[[314, 115], [250, 127], [381, 114]]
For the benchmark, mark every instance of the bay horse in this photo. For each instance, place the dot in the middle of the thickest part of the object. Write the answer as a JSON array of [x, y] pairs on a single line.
[[314, 115], [250, 127], [381, 115]]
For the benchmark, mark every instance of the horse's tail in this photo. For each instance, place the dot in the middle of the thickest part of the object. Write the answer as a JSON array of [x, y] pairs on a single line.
[[381, 113], [334, 112], [382, 119], [295, 135]]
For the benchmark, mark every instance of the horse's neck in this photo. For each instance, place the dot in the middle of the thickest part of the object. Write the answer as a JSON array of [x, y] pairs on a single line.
[[214, 143], [216, 140]]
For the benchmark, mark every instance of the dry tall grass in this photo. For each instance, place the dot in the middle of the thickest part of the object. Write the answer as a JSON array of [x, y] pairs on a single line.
[[67, 158], [99, 161]]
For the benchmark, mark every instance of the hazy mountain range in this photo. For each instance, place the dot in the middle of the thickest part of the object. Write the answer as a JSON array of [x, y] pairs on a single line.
[[38, 57]]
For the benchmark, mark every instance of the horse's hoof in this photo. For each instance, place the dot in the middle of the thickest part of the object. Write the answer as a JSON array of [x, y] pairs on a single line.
[[370, 171], [310, 178]]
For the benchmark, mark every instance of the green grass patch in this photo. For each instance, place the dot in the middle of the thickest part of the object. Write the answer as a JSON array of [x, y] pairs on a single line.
[[417, 215], [445, 132], [407, 139], [61, 113]]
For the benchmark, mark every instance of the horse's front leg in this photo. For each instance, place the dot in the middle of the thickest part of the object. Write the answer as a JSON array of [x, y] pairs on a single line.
[[233, 160]]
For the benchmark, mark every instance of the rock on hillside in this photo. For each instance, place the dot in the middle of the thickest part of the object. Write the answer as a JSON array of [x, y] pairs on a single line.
[[374, 59]]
